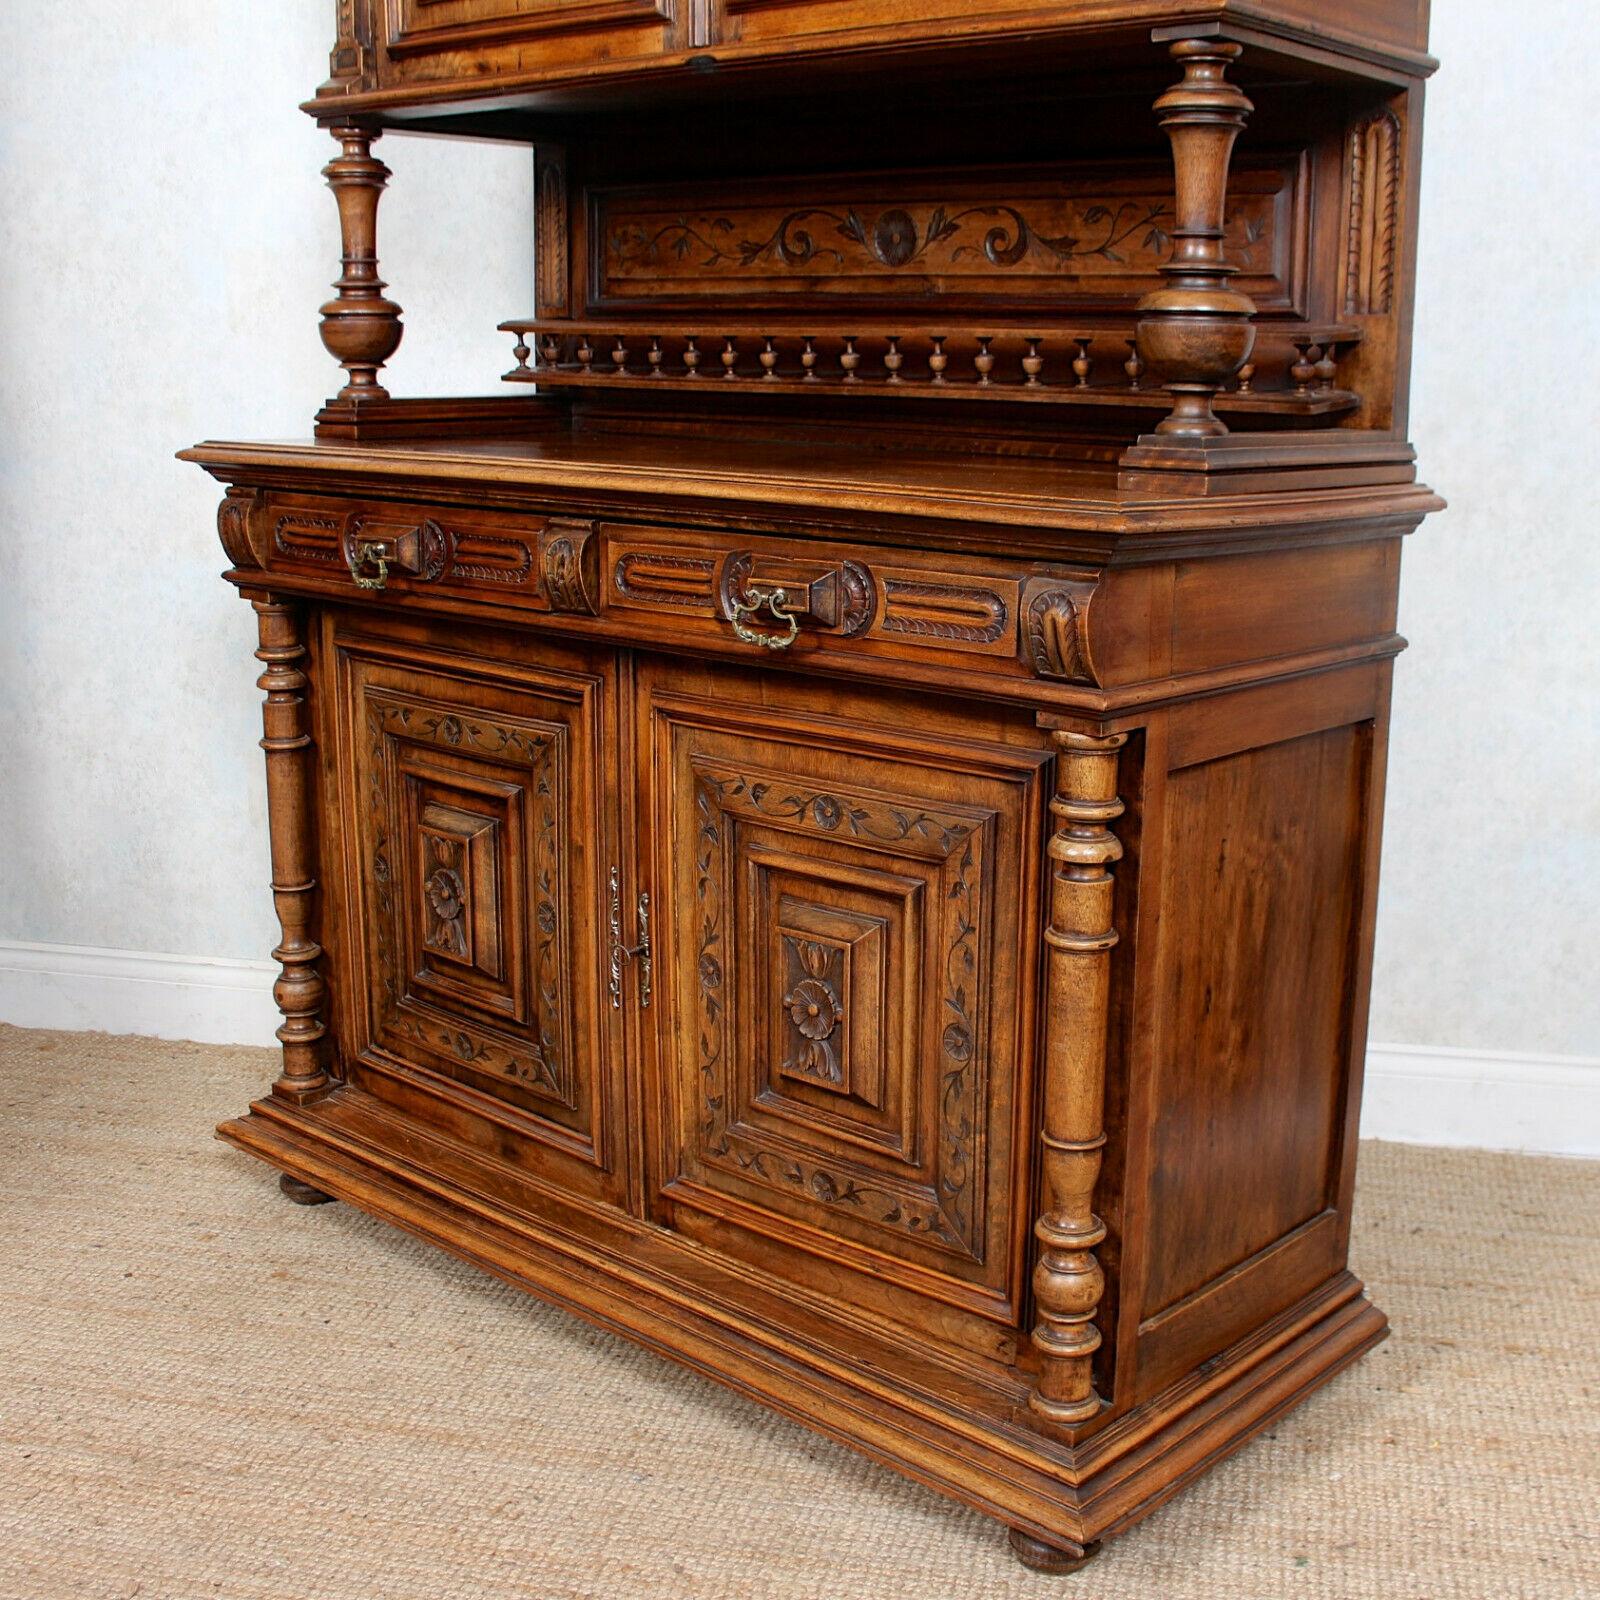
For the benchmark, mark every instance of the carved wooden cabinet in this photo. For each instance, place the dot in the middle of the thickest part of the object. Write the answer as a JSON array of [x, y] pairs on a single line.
[[833, 827]]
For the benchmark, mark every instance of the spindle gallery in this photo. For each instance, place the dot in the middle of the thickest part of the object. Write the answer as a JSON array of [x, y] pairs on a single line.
[[830, 825]]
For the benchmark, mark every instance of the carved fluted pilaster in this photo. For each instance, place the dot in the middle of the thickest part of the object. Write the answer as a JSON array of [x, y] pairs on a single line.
[[360, 328], [1068, 1281], [1194, 332], [299, 990]]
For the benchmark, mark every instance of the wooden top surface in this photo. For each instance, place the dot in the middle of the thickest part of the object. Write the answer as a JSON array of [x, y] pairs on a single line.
[[805, 482]]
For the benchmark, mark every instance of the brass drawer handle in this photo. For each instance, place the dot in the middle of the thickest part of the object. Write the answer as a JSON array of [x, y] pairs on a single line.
[[775, 601], [377, 554], [374, 547]]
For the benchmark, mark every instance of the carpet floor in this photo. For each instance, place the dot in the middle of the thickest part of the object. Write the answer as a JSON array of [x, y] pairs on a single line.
[[206, 1391]]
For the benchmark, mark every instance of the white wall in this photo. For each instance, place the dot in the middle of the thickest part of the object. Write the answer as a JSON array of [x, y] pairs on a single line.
[[166, 243]]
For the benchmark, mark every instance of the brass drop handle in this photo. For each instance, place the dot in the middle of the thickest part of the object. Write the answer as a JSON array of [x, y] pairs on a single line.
[[775, 601], [376, 546], [621, 952], [377, 553]]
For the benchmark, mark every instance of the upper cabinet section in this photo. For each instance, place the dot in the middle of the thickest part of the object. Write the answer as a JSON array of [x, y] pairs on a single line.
[[441, 54], [430, 42]]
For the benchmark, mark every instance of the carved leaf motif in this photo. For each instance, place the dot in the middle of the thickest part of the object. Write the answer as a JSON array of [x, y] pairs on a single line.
[[1055, 638]]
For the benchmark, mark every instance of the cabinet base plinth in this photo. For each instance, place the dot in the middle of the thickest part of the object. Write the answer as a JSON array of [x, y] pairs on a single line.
[[970, 1437]]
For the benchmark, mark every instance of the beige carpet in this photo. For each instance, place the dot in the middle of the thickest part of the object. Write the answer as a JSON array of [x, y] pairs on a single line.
[[206, 1391]]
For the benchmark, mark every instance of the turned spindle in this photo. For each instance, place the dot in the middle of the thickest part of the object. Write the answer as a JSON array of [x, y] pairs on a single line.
[[360, 328], [1134, 365], [769, 357], [691, 356], [619, 357], [808, 359], [893, 360], [983, 361], [1032, 362], [1081, 364], [1305, 368], [730, 356], [654, 356], [1247, 376], [1327, 367], [585, 355], [550, 351], [521, 350], [850, 359], [1194, 331], [938, 361]]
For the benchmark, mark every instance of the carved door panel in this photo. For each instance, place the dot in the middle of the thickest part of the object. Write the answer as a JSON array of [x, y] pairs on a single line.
[[479, 798], [846, 967]]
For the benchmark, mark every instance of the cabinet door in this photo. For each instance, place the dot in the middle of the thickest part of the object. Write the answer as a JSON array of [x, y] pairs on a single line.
[[433, 40], [476, 801], [847, 953]]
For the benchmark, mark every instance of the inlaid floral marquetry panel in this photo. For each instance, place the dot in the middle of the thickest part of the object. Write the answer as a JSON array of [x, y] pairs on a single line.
[[842, 929], [1043, 237]]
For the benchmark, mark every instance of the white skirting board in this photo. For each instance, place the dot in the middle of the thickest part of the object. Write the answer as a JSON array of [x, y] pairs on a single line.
[[1415, 1094]]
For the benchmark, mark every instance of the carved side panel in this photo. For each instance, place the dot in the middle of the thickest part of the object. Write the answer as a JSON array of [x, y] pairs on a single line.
[[551, 232], [1373, 160], [843, 972]]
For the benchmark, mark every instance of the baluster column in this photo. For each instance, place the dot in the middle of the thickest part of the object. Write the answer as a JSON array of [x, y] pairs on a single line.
[[360, 328], [1068, 1281], [299, 990], [1195, 332]]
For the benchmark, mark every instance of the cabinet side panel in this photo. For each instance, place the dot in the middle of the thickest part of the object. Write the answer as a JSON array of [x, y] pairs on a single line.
[[1263, 866]]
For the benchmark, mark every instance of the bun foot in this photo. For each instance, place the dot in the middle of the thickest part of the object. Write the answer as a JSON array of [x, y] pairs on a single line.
[[302, 1193], [1051, 1558]]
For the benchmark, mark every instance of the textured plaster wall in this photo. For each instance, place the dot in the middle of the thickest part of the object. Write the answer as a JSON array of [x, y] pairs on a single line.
[[166, 241]]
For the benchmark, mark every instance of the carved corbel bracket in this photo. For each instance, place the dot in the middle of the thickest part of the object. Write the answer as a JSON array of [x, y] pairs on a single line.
[[240, 528], [569, 566], [1055, 621]]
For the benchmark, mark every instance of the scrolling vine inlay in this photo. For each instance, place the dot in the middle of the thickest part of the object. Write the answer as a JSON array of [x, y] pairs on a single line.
[[1037, 234]]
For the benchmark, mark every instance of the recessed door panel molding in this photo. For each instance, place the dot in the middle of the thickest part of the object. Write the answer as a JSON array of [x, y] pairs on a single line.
[[475, 805], [842, 1045]]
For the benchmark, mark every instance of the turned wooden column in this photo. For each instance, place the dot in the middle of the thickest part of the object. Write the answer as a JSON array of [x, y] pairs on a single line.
[[1068, 1281], [360, 328], [1195, 332], [299, 990]]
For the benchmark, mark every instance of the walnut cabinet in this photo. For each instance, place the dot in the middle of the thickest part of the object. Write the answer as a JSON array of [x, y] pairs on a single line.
[[832, 827]]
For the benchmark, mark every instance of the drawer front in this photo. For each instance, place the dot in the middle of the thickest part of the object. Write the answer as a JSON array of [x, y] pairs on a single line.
[[472, 794], [760, 596], [543, 563], [849, 975]]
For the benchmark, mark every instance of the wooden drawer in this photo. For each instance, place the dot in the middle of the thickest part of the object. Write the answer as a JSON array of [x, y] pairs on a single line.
[[545, 563], [761, 596]]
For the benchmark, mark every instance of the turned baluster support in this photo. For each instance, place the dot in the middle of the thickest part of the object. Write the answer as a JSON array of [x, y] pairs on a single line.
[[299, 990], [1195, 332], [360, 328], [1068, 1281]]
